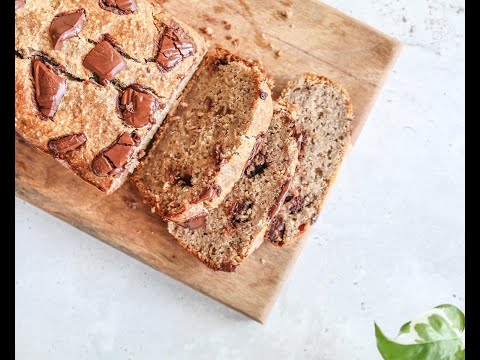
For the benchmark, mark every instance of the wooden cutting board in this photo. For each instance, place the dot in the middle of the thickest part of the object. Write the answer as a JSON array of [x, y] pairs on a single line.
[[290, 37]]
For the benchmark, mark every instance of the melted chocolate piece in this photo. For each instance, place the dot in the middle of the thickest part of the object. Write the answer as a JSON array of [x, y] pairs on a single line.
[[137, 107], [240, 211], [263, 95], [119, 6], [111, 160], [196, 222], [65, 144], [276, 230], [257, 166], [174, 46], [66, 26], [256, 148], [296, 205], [49, 88], [280, 199], [19, 4], [104, 61], [207, 194]]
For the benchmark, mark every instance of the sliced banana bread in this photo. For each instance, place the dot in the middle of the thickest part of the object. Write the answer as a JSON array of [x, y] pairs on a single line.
[[201, 150], [95, 79], [324, 126], [223, 237]]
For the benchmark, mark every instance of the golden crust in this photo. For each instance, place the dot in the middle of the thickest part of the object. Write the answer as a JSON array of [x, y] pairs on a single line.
[[87, 107]]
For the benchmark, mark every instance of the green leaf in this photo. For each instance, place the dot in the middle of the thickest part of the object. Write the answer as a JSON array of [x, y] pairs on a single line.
[[435, 335]]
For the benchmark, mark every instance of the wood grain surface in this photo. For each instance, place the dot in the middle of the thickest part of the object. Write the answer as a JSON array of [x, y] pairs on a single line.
[[289, 37]]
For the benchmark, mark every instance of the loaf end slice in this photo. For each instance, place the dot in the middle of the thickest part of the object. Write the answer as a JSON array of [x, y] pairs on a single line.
[[204, 144], [95, 114], [324, 127], [222, 238]]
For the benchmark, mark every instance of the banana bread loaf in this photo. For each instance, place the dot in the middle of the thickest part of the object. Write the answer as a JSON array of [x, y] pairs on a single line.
[[222, 238], [201, 149], [95, 79], [324, 125]]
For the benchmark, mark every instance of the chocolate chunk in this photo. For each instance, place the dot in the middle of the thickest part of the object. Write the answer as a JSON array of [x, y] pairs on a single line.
[[174, 46], [241, 211], [276, 230], [256, 148], [101, 166], [19, 4], [65, 144], [257, 166], [119, 6], [111, 160], [263, 95], [301, 145], [118, 154], [66, 26], [137, 107], [280, 199], [104, 61], [49, 88], [196, 222], [208, 103], [209, 193], [295, 205]]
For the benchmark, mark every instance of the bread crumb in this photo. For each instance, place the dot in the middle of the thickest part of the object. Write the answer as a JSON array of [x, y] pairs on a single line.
[[292, 26], [207, 30], [184, 104], [278, 54], [235, 42], [228, 37], [262, 260], [152, 209]]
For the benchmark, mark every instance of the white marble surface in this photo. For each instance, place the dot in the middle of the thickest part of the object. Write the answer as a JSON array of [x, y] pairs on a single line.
[[389, 243]]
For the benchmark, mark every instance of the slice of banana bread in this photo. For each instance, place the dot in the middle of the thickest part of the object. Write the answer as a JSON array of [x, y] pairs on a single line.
[[324, 125], [223, 237], [201, 150], [95, 79]]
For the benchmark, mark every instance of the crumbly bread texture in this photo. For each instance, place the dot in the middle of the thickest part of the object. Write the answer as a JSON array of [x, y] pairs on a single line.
[[324, 125], [95, 79], [204, 144], [222, 238]]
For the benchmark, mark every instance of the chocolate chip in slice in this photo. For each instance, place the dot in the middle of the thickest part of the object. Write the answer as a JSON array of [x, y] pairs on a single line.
[[208, 193], [119, 6], [111, 161], [263, 95], [195, 222], [49, 88], [280, 199], [19, 4], [276, 230], [65, 144], [66, 26], [256, 149], [104, 61], [174, 46], [137, 107]]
